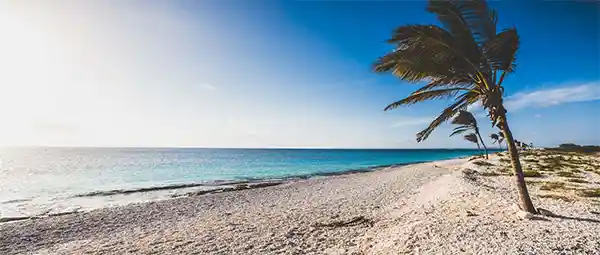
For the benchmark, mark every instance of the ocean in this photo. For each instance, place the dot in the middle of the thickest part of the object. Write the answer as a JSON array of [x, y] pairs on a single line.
[[46, 181]]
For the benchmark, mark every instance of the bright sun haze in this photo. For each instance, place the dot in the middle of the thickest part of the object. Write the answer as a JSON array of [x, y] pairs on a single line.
[[266, 74]]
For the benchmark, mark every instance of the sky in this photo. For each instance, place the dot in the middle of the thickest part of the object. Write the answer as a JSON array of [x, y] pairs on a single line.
[[259, 73]]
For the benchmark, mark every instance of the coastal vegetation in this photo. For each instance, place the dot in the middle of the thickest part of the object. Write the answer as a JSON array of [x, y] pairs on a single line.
[[497, 138], [467, 122], [557, 174], [472, 137], [571, 147], [466, 60]]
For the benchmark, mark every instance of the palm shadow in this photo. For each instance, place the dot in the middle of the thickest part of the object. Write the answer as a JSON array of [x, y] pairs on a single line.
[[558, 216]]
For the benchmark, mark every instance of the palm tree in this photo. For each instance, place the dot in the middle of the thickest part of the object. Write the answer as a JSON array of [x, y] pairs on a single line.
[[495, 139], [467, 122], [502, 139], [465, 60], [472, 137]]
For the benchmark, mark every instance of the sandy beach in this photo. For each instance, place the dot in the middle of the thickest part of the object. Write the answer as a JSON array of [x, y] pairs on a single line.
[[443, 207]]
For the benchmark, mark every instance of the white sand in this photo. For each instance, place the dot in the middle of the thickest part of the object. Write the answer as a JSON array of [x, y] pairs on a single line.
[[427, 208]]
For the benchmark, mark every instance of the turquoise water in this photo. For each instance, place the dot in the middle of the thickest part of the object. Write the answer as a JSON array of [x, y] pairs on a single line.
[[38, 180]]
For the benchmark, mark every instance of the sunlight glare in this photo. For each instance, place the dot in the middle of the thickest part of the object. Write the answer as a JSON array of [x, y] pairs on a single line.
[[33, 72]]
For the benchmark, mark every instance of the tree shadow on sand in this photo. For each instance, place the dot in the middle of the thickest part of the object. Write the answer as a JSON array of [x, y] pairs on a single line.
[[553, 215]]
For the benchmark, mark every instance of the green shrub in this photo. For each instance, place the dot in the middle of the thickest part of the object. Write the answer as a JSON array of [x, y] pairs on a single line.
[[490, 174], [559, 197], [577, 180], [589, 193], [532, 173], [482, 163], [552, 185], [566, 174]]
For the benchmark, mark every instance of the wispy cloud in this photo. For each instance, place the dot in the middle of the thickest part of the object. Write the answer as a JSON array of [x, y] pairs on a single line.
[[567, 93], [411, 121], [206, 86]]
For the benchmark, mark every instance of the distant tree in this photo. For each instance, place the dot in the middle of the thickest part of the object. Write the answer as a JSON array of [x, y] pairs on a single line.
[[467, 122], [472, 137], [578, 148], [521, 145], [568, 145], [494, 138], [497, 138]]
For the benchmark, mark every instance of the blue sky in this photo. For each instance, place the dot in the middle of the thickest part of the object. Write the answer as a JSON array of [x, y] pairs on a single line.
[[268, 74]]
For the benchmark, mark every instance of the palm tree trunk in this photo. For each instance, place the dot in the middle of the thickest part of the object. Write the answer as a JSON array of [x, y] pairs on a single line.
[[479, 148], [524, 198], [483, 144]]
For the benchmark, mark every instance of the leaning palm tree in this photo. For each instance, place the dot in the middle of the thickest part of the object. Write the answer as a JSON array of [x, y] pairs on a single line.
[[465, 60], [495, 139], [502, 139], [467, 122], [472, 137]]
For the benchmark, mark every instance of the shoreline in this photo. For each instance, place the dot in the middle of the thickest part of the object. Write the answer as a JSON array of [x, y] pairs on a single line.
[[217, 186], [452, 206], [242, 181], [103, 222]]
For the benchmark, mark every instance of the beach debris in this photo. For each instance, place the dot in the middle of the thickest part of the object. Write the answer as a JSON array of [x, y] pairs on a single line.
[[358, 220], [469, 214], [9, 219], [504, 234], [240, 186], [62, 213]]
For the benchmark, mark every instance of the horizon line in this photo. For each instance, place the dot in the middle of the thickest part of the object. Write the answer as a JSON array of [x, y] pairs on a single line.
[[251, 148]]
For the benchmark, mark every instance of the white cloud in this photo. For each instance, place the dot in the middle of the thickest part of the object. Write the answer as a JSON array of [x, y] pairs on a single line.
[[567, 93], [411, 121], [477, 110]]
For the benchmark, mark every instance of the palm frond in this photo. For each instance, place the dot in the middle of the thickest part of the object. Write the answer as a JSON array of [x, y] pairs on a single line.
[[459, 130], [465, 118], [495, 138], [423, 96], [480, 19], [502, 49], [425, 52], [457, 16], [471, 138], [500, 137], [455, 82], [461, 103]]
